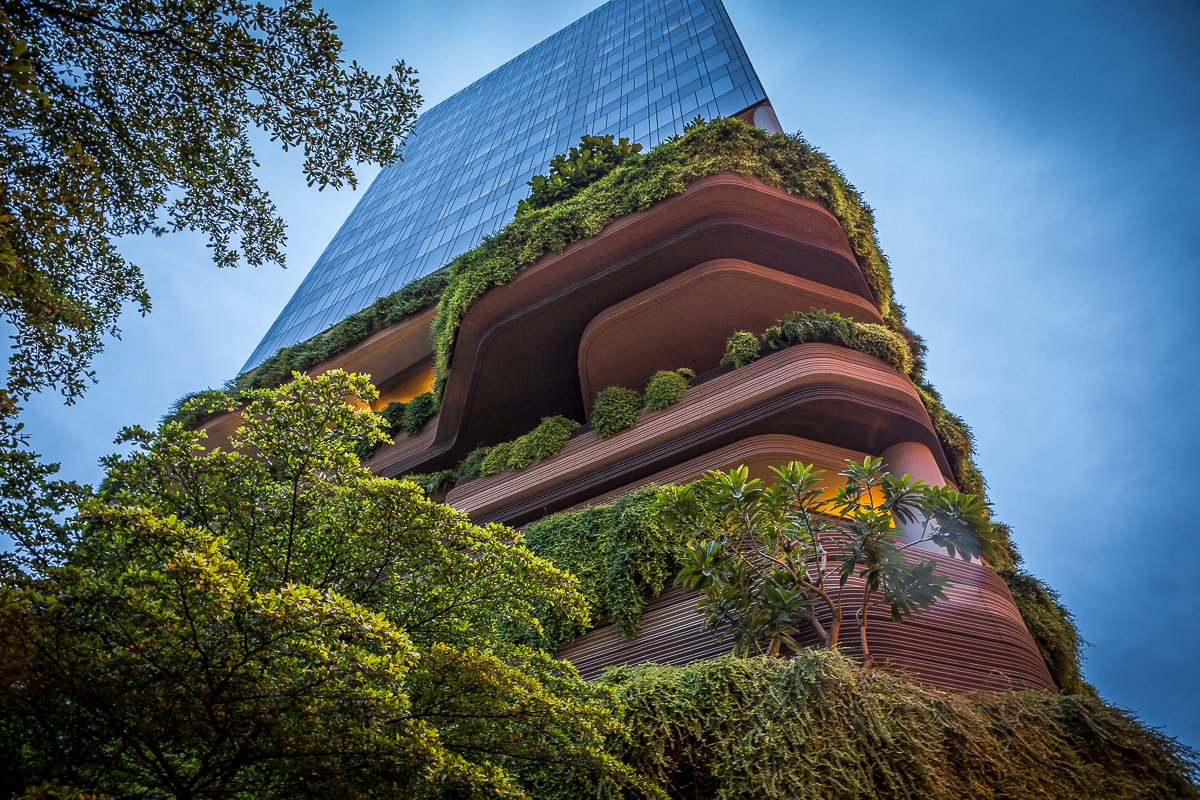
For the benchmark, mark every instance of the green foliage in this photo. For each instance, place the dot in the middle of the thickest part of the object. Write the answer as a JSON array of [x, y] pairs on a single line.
[[1052, 627], [620, 553], [496, 459], [545, 440], [129, 117], [393, 416], [271, 619], [832, 328], [615, 409], [410, 299], [815, 728], [723, 145], [740, 349], [788, 162], [766, 558], [666, 388], [595, 157], [472, 465], [434, 482], [196, 408], [417, 412]]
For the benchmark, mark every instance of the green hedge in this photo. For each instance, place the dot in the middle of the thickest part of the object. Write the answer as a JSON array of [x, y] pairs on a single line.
[[621, 553], [615, 409], [816, 728], [417, 412], [666, 388], [545, 440]]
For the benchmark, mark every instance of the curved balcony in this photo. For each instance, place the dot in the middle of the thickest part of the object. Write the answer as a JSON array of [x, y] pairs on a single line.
[[685, 320], [517, 351], [817, 391], [974, 639]]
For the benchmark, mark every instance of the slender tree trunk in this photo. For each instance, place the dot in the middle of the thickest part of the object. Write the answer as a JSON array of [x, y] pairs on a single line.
[[868, 659]]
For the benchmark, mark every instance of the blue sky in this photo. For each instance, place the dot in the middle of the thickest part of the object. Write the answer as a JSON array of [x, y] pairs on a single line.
[[1033, 169]]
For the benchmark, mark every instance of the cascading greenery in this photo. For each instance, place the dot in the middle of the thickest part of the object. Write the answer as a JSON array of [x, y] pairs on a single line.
[[622, 554], [724, 145], [388, 310], [815, 728], [1052, 628]]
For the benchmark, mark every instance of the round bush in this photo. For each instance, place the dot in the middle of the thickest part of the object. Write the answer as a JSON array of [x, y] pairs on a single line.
[[616, 408]]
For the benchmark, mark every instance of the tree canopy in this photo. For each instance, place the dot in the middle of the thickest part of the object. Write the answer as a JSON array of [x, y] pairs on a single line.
[[135, 116], [266, 618]]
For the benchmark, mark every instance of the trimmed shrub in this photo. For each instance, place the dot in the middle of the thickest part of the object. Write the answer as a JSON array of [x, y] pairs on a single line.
[[472, 465], [545, 440], [666, 388], [393, 415], [815, 728], [418, 411], [740, 349], [495, 459], [616, 408], [622, 554]]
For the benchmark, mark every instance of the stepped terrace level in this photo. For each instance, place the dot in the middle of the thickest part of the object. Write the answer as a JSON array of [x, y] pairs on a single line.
[[662, 289], [639, 69]]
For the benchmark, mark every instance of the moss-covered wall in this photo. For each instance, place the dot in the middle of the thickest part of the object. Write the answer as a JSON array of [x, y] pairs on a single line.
[[817, 728]]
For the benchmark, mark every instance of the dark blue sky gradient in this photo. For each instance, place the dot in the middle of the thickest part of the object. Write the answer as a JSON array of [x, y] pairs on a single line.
[[1033, 168]]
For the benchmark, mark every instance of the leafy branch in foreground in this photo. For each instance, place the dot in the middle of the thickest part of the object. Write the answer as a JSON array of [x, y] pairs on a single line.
[[270, 619], [771, 560], [134, 116]]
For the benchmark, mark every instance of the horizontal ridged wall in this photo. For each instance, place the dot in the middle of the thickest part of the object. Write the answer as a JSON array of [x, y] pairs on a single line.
[[973, 639]]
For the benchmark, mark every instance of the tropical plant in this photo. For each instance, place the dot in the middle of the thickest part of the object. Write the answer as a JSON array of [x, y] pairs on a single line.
[[268, 618], [592, 159], [769, 560]]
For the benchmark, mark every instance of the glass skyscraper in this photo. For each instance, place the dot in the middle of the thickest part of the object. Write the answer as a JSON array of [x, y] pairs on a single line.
[[632, 68]]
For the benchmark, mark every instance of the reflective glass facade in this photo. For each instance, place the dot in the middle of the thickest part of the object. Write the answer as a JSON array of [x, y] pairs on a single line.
[[634, 68]]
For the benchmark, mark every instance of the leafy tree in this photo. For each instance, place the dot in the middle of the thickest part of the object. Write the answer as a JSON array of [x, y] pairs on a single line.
[[134, 116], [769, 560], [267, 618]]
